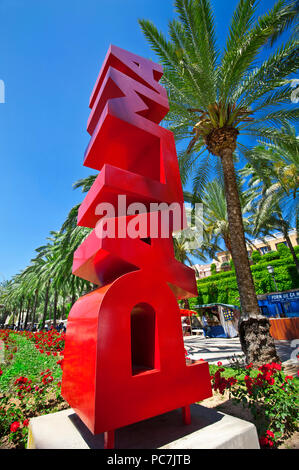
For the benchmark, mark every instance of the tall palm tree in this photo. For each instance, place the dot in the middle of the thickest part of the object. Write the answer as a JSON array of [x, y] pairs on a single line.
[[214, 213], [273, 174], [219, 96]]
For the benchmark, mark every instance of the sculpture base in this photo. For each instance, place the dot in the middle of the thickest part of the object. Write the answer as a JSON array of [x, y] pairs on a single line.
[[209, 429]]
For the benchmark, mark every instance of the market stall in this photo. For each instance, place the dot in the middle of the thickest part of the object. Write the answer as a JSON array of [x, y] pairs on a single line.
[[190, 323], [219, 320]]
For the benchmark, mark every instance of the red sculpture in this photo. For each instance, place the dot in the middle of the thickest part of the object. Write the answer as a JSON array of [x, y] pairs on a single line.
[[124, 353]]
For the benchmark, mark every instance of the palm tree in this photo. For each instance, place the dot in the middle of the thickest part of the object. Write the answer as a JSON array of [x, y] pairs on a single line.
[[273, 186], [215, 219], [47, 282], [218, 97]]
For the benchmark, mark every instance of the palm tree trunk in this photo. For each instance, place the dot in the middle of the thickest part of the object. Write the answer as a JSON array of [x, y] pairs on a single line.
[[46, 304], [27, 314], [228, 245], [63, 309], [21, 307], [254, 328], [73, 299], [34, 308], [22, 318], [55, 307], [185, 303]]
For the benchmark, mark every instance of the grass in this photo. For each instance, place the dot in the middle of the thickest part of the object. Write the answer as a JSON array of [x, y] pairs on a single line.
[[28, 362]]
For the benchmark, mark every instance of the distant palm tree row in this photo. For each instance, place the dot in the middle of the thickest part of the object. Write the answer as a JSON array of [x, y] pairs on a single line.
[[215, 96], [46, 289]]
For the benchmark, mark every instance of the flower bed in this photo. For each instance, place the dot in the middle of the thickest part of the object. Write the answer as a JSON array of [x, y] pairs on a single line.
[[269, 394], [48, 342], [30, 380]]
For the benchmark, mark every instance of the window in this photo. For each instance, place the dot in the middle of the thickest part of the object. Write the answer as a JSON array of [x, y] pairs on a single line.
[[143, 338], [264, 249]]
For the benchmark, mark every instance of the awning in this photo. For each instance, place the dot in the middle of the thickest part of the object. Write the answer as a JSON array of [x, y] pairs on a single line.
[[187, 313]]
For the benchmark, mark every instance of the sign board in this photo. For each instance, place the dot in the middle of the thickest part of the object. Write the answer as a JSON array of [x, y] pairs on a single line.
[[284, 297]]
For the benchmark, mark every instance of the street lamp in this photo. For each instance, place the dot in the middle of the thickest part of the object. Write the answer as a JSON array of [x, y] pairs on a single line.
[[271, 271]]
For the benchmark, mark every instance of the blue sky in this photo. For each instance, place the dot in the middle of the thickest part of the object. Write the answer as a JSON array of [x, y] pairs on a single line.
[[50, 54]]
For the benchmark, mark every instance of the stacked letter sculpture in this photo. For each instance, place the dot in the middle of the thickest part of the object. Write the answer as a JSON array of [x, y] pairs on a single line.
[[124, 353]]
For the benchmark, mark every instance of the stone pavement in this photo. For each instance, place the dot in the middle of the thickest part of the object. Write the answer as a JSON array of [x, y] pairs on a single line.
[[224, 349]]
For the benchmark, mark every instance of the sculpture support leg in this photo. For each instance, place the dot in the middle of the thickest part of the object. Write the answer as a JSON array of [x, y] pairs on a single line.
[[186, 414], [109, 439]]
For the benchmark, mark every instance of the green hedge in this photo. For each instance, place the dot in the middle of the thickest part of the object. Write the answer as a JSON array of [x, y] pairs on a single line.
[[222, 287]]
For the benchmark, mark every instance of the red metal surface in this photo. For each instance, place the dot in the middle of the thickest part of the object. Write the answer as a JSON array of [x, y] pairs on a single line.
[[124, 353], [186, 414]]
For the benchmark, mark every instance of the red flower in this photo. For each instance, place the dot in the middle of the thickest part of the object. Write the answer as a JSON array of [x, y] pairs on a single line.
[[14, 426], [270, 434], [219, 363], [232, 381], [263, 441], [60, 363], [249, 366], [288, 377], [26, 422], [275, 365]]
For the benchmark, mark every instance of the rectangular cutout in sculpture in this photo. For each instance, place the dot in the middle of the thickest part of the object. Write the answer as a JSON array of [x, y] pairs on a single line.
[[124, 353]]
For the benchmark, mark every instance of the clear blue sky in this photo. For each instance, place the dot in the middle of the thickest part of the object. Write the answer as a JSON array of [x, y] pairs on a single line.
[[50, 55]]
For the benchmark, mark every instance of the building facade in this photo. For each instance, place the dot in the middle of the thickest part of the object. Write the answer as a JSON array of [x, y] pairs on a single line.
[[223, 258]]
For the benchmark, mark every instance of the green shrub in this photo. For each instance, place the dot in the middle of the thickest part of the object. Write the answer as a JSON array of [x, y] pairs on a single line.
[[213, 268], [283, 250], [256, 256], [271, 255], [222, 286]]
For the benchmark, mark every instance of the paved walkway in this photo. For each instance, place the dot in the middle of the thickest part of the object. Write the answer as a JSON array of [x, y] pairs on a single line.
[[224, 349]]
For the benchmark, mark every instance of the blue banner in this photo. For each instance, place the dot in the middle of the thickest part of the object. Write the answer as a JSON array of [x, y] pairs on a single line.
[[283, 297]]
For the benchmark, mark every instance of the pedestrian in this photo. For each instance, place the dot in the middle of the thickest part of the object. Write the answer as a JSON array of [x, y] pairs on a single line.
[[206, 327]]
